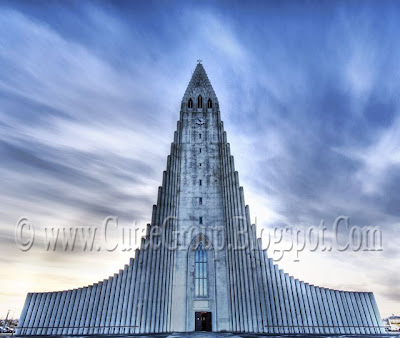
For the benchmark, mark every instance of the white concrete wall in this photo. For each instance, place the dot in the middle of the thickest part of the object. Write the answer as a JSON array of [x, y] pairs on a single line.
[[154, 293]]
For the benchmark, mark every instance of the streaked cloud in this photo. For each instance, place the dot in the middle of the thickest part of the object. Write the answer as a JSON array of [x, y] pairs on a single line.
[[89, 101]]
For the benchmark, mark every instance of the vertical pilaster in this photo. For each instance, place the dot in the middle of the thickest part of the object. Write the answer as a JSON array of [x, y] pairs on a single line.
[[332, 310], [49, 314], [378, 320], [351, 312], [369, 325], [286, 304], [313, 328], [121, 302], [283, 322], [116, 302], [346, 324], [95, 310], [66, 323], [231, 261], [103, 320], [129, 298], [59, 313], [302, 307], [347, 312], [328, 310], [74, 311], [43, 312], [131, 311], [294, 328], [54, 313], [107, 323]]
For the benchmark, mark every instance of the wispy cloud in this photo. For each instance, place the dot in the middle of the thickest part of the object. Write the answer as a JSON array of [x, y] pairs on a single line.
[[89, 102]]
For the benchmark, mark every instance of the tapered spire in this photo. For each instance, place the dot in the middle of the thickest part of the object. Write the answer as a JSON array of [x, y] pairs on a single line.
[[199, 85], [161, 289]]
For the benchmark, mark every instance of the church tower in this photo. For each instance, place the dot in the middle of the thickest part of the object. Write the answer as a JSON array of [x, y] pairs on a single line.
[[200, 270], [200, 266]]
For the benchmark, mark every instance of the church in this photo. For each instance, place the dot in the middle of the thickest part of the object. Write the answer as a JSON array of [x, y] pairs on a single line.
[[207, 270]]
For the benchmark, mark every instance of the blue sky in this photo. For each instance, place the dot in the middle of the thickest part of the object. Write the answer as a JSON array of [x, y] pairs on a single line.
[[89, 98]]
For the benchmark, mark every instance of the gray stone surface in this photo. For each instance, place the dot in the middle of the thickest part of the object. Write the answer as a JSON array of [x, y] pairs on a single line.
[[155, 292]]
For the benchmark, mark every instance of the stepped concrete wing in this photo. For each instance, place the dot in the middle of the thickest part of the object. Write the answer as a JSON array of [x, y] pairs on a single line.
[[185, 280]]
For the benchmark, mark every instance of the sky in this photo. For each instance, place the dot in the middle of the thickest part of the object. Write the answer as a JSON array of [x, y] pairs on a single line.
[[90, 93]]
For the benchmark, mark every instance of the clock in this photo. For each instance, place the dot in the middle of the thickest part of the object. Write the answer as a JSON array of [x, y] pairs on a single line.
[[199, 121]]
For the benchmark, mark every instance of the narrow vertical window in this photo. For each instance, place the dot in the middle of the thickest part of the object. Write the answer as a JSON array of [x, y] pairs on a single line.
[[190, 103], [200, 272], [200, 164], [199, 102], [200, 150], [199, 135], [200, 200], [200, 182], [209, 103], [200, 220]]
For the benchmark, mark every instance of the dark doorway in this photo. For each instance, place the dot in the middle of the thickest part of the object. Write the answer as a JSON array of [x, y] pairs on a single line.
[[203, 321]]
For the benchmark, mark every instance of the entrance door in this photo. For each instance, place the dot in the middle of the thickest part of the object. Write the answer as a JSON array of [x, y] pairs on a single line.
[[203, 321]]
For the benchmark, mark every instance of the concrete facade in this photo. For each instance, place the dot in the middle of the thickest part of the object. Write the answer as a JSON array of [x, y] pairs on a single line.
[[200, 201]]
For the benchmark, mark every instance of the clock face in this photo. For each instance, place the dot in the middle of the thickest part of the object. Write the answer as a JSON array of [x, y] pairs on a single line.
[[199, 121]]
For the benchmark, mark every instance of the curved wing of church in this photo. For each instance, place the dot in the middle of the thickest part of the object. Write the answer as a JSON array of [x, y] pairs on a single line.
[[207, 271]]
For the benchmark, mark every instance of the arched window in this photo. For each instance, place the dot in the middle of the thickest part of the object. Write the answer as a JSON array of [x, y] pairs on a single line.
[[209, 103], [190, 103], [199, 102], [200, 272]]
